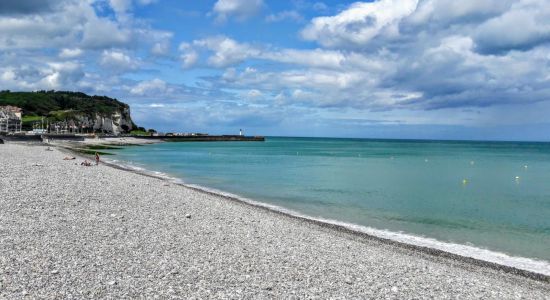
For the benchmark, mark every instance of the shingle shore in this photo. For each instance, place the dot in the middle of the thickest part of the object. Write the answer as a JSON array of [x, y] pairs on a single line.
[[69, 231]]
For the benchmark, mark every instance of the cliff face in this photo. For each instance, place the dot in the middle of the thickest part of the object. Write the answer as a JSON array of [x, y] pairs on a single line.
[[117, 122]]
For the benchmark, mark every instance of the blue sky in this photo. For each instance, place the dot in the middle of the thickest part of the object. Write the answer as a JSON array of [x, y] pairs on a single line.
[[440, 69]]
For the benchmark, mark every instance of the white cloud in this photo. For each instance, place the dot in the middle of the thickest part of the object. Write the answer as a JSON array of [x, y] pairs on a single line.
[[189, 56], [228, 52], [525, 25], [189, 59], [241, 9], [284, 15], [311, 58], [225, 51], [156, 105], [146, 2], [11, 78], [280, 96], [75, 24], [360, 23], [42, 75], [443, 12], [123, 8], [58, 28], [8, 75], [62, 75], [149, 87], [160, 40], [70, 53], [253, 94], [301, 94], [31, 32], [120, 6], [160, 48], [38, 45], [99, 34], [117, 61], [320, 6]]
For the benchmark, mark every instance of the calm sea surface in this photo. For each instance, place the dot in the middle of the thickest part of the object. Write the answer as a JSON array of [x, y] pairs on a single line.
[[492, 195]]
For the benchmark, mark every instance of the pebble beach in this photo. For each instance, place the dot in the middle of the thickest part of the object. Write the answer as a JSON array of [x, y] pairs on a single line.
[[71, 232]]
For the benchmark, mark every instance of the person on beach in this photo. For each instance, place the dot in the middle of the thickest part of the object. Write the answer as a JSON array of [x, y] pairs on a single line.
[[96, 158]]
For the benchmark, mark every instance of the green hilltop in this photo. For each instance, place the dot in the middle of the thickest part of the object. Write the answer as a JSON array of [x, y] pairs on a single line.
[[41, 103], [63, 105]]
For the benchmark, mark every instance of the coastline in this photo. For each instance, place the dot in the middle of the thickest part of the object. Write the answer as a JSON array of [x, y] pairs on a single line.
[[522, 266], [456, 269], [525, 266]]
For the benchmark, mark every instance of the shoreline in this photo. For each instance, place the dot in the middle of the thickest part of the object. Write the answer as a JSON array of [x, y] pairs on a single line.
[[349, 228], [358, 230], [72, 231]]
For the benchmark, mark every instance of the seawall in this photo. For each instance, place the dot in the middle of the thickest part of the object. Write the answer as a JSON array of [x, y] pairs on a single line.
[[205, 138]]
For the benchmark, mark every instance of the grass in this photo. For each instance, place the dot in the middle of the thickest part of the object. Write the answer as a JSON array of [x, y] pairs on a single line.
[[29, 121], [139, 132], [129, 145], [26, 119], [91, 152], [60, 115]]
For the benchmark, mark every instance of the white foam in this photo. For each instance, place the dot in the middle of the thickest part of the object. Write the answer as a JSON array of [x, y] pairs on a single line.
[[133, 167], [523, 263]]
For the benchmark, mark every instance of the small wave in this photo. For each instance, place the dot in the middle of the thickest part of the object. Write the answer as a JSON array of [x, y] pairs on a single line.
[[523, 263], [142, 170], [469, 251]]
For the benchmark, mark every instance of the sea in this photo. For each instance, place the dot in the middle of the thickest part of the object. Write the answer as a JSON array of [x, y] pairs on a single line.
[[487, 200]]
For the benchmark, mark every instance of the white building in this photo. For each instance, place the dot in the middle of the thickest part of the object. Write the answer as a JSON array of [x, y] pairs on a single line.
[[10, 119]]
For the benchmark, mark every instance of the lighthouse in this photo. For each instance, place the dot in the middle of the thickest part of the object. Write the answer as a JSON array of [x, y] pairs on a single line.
[[240, 132]]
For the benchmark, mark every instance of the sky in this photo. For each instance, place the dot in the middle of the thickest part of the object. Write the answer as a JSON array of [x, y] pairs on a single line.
[[430, 69]]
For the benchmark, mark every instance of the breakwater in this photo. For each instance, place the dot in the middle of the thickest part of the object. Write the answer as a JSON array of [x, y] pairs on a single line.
[[205, 138]]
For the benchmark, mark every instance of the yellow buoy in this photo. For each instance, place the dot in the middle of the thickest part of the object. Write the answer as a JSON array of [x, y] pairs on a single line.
[[464, 181]]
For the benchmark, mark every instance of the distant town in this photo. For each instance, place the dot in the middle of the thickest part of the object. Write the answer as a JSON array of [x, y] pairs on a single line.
[[12, 127], [11, 122], [10, 119]]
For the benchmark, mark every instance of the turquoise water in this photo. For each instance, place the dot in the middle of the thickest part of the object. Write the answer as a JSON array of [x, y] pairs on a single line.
[[492, 195]]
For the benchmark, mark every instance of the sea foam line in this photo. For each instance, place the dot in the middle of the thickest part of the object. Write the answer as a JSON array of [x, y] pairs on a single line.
[[491, 256]]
